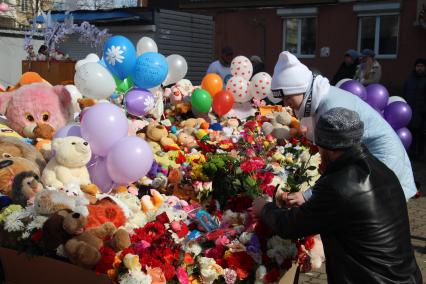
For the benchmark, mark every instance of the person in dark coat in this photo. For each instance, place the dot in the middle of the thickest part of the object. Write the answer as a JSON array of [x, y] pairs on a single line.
[[348, 67], [415, 95], [357, 206], [258, 65]]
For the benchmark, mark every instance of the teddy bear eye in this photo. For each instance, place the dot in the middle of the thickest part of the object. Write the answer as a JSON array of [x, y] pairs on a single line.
[[7, 155], [73, 143], [45, 116], [29, 183], [29, 117]]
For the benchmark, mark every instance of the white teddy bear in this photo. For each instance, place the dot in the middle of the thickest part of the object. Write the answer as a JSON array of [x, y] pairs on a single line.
[[69, 163], [137, 218]]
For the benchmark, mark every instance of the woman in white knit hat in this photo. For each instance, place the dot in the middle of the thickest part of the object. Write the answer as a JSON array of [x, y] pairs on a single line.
[[312, 95]]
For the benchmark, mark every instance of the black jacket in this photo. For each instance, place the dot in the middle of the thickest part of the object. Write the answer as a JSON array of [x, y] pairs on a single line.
[[415, 95], [359, 209], [344, 72]]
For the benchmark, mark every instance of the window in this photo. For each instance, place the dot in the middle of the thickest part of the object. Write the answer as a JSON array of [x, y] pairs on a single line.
[[24, 5], [379, 33], [300, 36]]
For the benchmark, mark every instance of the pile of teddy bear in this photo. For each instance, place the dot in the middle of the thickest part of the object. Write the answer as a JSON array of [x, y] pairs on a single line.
[[50, 177]]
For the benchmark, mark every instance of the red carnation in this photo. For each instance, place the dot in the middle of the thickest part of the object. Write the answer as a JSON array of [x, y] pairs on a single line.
[[36, 236], [169, 271], [127, 251], [293, 141], [107, 260], [163, 218], [272, 275], [241, 262], [309, 242]]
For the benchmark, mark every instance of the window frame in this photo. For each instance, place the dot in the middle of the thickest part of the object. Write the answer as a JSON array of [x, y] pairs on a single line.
[[299, 34], [376, 49]]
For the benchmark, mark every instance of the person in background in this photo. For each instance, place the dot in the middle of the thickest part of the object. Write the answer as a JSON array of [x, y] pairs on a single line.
[[369, 71], [348, 67], [43, 53], [357, 206], [310, 96], [222, 65], [258, 65], [415, 95]]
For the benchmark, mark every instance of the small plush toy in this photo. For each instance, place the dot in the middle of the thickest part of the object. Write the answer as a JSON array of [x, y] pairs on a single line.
[[158, 133], [69, 163], [61, 227], [150, 203], [181, 91], [25, 187], [17, 157], [35, 105], [186, 140], [279, 127], [83, 249], [48, 202], [137, 218]]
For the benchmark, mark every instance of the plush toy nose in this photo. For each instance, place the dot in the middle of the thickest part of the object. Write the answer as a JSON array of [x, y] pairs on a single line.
[[5, 164], [76, 215]]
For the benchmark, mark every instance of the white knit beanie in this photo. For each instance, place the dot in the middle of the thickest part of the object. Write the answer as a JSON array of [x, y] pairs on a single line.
[[290, 76]]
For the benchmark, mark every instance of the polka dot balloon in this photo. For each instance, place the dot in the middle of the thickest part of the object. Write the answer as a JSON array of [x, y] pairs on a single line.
[[241, 66], [238, 87], [260, 85]]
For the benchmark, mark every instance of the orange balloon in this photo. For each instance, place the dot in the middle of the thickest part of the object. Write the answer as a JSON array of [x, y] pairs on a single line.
[[223, 102], [212, 83]]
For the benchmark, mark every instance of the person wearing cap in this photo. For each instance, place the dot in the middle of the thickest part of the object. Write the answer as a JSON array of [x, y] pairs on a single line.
[[258, 65], [357, 206], [369, 71], [222, 65], [310, 96], [415, 95], [347, 68]]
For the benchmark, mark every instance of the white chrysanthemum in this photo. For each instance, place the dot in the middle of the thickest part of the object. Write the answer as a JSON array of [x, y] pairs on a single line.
[[209, 269], [280, 249], [37, 223], [135, 277], [149, 103], [193, 248], [245, 237], [304, 157], [60, 251], [25, 235], [114, 53], [13, 222], [260, 273], [288, 145]]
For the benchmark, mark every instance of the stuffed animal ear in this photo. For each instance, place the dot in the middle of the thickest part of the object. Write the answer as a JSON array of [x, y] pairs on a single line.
[[57, 142], [64, 95], [4, 102]]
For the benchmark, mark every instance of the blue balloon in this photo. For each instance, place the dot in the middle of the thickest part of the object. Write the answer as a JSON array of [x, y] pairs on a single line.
[[120, 56], [150, 71]]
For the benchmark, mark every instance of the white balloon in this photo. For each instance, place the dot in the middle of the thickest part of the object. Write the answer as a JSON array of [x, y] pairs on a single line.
[[89, 58], [146, 44], [178, 67], [260, 85], [238, 87], [396, 99], [94, 81], [341, 82], [242, 66]]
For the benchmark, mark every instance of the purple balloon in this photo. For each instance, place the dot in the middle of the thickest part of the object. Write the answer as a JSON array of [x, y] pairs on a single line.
[[405, 136], [129, 160], [377, 96], [99, 174], [139, 102], [355, 88], [102, 126], [72, 129], [398, 114]]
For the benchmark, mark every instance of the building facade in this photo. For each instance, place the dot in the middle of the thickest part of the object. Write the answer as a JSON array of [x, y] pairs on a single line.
[[319, 32]]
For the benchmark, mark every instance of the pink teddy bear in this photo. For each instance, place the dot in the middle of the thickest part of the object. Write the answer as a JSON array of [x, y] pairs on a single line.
[[37, 110]]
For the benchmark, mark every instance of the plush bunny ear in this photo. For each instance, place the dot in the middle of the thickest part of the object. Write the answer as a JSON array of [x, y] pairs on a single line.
[[4, 102], [57, 142], [64, 95]]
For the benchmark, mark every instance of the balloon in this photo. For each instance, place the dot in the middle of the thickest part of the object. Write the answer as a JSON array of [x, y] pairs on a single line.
[[223, 102], [129, 160], [406, 138], [260, 85], [120, 56], [356, 88], [395, 99], [71, 129], [139, 102], [338, 84], [102, 126], [177, 69], [89, 58], [212, 83], [201, 100], [238, 87], [242, 66], [398, 114], [150, 71], [99, 174], [146, 44], [94, 81], [123, 85], [377, 96]]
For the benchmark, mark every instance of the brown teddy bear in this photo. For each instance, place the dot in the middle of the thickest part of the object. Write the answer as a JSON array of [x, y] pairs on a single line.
[[158, 133], [191, 123], [186, 140], [17, 157]]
